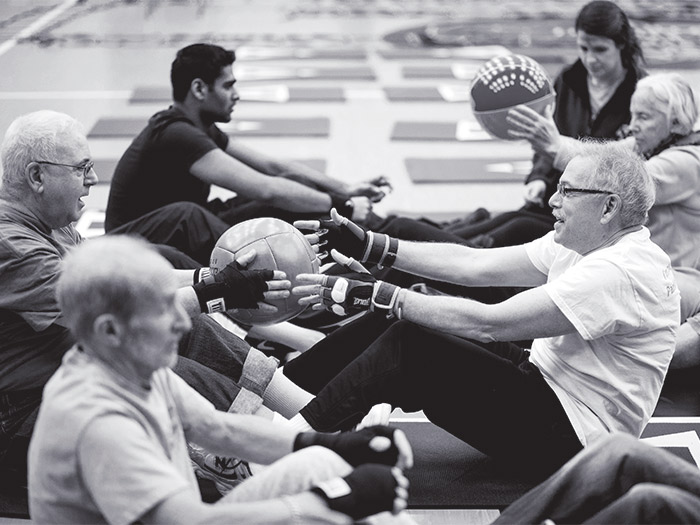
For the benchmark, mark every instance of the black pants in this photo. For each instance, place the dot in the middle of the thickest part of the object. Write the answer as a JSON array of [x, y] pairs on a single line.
[[186, 226], [487, 394]]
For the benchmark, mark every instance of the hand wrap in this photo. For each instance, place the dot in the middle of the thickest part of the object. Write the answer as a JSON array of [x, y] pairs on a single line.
[[354, 447], [367, 490], [232, 287]]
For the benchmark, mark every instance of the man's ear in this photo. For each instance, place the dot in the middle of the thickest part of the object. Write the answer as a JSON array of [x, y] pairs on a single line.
[[34, 176], [611, 208], [199, 88], [108, 329]]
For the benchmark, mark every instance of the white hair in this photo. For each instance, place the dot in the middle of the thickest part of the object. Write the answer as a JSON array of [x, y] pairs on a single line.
[[34, 136]]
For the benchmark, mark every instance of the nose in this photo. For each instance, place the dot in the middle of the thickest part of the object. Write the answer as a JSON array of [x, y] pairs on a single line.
[[91, 178], [234, 95], [554, 200]]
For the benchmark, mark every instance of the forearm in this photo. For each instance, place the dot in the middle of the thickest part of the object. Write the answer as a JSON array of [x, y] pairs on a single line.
[[435, 261], [294, 196], [301, 172], [296, 509], [452, 315], [687, 352], [248, 437]]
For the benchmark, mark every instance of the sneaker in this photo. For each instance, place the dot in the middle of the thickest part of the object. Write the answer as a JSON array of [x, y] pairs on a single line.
[[226, 473]]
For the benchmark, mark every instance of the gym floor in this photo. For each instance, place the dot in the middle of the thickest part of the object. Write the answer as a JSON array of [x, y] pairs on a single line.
[[92, 58]]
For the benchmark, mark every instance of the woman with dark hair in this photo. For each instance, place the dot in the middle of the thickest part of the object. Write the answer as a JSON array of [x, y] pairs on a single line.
[[592, 100]]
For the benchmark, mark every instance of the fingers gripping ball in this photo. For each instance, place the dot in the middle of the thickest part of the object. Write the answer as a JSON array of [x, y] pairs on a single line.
[[504, 82], [278, 246]]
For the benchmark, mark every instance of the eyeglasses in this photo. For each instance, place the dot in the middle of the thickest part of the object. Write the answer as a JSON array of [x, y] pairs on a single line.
[[566, 191], [85, 168]]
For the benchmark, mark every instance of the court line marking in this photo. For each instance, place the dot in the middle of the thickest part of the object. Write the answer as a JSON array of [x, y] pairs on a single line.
[[64, 95], [36, 26], [669, 419]]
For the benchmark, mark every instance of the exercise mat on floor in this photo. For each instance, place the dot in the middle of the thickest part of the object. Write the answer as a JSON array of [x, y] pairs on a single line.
[[449, 473], [258, 127], [434, 170]]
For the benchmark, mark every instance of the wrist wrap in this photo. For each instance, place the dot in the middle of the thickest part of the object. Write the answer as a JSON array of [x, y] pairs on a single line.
[[367, 490]]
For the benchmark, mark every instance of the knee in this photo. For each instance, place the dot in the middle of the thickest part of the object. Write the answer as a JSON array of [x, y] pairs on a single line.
[[652, 496], [186, 210]]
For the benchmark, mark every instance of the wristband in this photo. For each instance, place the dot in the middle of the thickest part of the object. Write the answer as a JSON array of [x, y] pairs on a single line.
[[398, 305], [384, 297], [200, 274], [380, 248]]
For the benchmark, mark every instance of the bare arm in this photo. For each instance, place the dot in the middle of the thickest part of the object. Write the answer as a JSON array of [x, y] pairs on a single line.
[[249, 437], [508, 266], [217, 167], [185, 508], [687, 352], [270, 166], [528, 315]]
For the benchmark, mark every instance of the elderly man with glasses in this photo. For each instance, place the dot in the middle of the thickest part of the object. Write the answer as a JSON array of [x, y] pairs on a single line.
[[601, 305], [47, 171]]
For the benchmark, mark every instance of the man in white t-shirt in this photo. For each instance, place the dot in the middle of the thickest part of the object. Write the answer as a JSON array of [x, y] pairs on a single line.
[[110, 442], [601, 305]]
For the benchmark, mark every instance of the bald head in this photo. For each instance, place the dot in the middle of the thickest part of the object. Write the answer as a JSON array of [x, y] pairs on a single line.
[[114, 274]]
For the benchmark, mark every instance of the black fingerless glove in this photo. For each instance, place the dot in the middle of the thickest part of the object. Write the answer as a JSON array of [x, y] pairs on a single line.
[[232, 287], [363, 245], [367, 490], [353, 447]]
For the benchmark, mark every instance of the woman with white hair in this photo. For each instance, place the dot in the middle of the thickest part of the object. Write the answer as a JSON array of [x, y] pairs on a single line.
[[664, 111]]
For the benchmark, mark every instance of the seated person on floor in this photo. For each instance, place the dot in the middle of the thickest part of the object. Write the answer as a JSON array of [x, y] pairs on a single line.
[[602, 307], [172, 164], [46, 173], [592, 100], [617, 480], [110, 442], [664, 111]]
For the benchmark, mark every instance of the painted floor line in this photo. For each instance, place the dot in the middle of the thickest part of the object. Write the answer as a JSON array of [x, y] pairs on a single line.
[[37, 25], [64, 95]]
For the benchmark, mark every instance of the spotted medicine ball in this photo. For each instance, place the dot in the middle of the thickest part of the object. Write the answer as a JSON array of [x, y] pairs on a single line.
[[504, 82]]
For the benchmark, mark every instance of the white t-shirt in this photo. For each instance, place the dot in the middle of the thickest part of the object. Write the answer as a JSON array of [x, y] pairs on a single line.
[[107, 451], [625, 306]]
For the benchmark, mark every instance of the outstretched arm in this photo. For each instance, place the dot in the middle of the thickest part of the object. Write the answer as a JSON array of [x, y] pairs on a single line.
[[219, 168]]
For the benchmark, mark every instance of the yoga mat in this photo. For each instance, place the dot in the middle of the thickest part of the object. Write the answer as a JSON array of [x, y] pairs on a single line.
[[449, 473], [461, 131], [459, 71], [440, 93], [246, 73], [263, 127], [298, 53], [434, 170], [275, 93]]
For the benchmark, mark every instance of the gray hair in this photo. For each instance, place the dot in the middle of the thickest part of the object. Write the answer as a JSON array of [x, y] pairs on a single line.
[[622, 171], [673, 96], [113, 274], [34, 136]]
